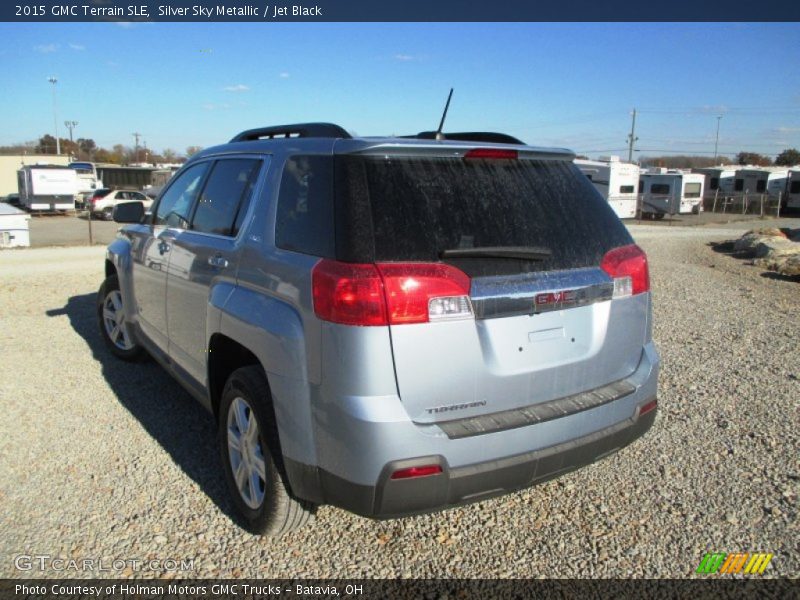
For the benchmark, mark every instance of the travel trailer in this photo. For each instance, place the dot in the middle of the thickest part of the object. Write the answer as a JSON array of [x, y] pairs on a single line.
[[671, 193], [719, 180], [47, 187], [616, 181], [761, 180]]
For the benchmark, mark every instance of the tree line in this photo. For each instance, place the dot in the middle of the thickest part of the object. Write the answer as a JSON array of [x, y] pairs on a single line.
[[788, 158], [87, 150]]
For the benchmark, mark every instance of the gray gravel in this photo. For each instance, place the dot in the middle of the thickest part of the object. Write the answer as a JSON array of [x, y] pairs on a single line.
[[102, 460]]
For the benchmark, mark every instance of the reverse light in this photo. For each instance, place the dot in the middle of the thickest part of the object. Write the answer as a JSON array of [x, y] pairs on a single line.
[[389, 293], [417, 472], [492, 153], [627, 266]]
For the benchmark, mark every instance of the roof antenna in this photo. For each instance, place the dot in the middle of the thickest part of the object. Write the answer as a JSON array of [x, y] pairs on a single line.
[[439, 134]]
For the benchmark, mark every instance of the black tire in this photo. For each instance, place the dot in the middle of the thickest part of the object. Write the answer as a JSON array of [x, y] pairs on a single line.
[[134, 351], [279, 512], [658, 216]]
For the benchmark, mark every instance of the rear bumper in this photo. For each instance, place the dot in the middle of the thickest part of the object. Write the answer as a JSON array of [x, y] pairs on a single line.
[[461, 485]]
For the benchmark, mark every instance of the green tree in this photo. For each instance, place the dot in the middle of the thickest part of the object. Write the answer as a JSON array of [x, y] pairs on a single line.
[[192, 150], [46, 145], [753, 158], [788, 158]]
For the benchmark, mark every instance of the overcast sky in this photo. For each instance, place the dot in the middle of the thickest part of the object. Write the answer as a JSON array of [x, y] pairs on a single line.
[[570, 85]]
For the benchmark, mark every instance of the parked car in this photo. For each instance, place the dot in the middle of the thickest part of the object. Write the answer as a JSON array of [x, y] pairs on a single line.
[[102, 201], [388, 325]]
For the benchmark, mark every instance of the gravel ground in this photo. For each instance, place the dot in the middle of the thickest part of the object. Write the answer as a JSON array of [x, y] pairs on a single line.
[[103, 460]]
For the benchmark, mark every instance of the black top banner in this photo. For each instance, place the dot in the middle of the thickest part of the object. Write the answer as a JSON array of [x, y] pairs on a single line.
[[269, 11]]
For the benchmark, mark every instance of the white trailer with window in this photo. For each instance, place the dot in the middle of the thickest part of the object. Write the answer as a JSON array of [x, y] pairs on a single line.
[[14, 231], [762, 180], [671, 193], [616, 181], [47, 187], [719, 180]]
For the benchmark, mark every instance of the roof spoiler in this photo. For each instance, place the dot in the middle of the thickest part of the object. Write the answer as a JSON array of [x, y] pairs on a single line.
[[470, 136], [297, 130]]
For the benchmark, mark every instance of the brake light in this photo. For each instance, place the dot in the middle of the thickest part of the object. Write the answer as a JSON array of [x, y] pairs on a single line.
[[422, 292], [417, 472], [492, 153], [346, 293], [389, 293], [627, 265]]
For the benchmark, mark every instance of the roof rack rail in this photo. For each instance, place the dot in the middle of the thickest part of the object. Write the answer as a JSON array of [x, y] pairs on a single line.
[[470, 136], [304, 130]]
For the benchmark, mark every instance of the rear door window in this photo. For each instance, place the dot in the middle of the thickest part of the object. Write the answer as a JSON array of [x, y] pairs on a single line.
[[228, 185]]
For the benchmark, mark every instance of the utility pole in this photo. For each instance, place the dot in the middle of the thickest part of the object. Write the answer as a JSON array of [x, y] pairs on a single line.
[[716, 142], [54, 81], [136, 136], [632, 139], [70, 125]]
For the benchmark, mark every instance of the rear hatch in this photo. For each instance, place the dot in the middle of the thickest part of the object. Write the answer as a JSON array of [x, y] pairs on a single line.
[[530, 233]]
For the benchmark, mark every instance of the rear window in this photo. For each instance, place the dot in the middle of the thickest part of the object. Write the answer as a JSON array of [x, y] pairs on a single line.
[[659, 188], [412, 209]]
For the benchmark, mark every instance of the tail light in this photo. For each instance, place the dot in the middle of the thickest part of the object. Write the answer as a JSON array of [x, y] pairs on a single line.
[[627, 265], [389, 293]]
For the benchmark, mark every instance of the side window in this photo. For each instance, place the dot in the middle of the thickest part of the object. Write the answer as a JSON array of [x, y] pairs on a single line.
[[692, 190], [224, 196], [761, 185], [739, 185], [714, 184], [626, 189], [175, 205], [660, 189], [304, 222]]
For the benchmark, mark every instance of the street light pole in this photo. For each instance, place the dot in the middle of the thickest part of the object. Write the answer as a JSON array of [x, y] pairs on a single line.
[[70, 125], [54, 81], [716, 142]]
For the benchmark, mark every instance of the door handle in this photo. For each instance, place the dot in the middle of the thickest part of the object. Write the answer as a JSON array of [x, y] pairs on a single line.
[[218, 261]]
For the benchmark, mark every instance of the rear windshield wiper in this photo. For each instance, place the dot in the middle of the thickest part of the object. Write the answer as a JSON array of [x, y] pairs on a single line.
[[517, 252]]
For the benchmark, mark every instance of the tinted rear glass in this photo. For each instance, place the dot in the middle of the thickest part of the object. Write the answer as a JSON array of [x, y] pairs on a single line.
[[419, 207]]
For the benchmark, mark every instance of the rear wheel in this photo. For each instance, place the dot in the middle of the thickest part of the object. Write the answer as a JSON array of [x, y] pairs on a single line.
[[252, 458], [112, 317], [107, 213]]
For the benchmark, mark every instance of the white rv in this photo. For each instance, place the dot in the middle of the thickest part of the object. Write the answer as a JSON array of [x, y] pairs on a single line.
[[47, 187], [616, 181], [719, 180], [671, 193], [761, 180], [793, 189]]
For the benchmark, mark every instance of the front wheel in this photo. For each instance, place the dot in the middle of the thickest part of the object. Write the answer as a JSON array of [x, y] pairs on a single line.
[[112, 317], [252, 458]]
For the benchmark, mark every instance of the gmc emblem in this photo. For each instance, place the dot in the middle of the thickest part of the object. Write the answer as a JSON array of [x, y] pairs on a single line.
[[554, 300]]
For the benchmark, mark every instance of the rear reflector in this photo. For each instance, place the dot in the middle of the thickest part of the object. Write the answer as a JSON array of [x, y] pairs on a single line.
[[627, 265], [646, 408], [492, 153], [389, 293], [417, 472]]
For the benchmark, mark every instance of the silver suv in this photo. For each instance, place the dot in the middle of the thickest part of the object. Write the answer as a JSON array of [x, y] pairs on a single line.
[[388, 325]]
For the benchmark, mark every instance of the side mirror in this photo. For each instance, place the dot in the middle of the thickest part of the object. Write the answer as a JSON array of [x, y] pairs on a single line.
[[128, 212]]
